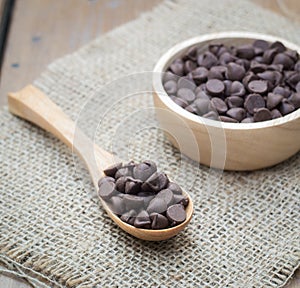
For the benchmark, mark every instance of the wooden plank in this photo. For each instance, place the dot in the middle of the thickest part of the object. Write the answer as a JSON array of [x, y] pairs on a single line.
[[44, 30]]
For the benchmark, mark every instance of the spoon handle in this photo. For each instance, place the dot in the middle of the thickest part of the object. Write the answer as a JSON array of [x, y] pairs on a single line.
[[33, 105]]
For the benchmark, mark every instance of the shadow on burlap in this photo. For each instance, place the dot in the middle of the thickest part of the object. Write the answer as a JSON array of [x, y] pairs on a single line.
[[53, 233]]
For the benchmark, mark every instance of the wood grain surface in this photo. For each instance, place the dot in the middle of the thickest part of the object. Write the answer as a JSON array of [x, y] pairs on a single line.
[[42, 30]]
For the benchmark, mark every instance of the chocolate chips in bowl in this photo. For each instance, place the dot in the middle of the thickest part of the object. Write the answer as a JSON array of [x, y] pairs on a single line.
[[243, 83], [246, 81], [142, 196]]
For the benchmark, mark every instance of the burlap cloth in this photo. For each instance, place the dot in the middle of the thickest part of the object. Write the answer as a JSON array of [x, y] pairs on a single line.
[[245, 234]]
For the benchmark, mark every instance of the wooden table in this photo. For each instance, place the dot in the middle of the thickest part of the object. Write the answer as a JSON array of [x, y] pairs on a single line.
[[42, 30]]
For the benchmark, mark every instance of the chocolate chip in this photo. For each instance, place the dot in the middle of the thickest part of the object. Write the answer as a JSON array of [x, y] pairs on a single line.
[[117, 205], [295, 100], [186, 94], [176, 213], [293, 80], [256, 67], [111, 170], [177, 67], [107, 190], [202, 106], [269, 55], [157, 205], [228, 119], [120, 183], [207, 60], [278, 46], [191, 108], [254, 101], [166, 195], [105, 179], [215, 86], [234, 101], [237, 89], [258, 86], [186, 83], [235, 72], [181, 199], [142, 220], [237, 113], [262, 114], [286, 108], [169, 76], [226, 58], [189, 66], [275, 114], [200, 75], [171, 87], [129, 216], [124, 171], [248, 78], [133, 202], [211, 115], [219, 105], [245, 51], [282, 91], [191, 53], [180, 102], [248, 120], [283, 59], [273, 100], [159, 221], [144, 170], [175, 188], [132, 186], [297, 88], [156, 182], [262, 44]]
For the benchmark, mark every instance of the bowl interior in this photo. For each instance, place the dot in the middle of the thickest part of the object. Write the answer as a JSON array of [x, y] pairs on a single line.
[[227, 38]]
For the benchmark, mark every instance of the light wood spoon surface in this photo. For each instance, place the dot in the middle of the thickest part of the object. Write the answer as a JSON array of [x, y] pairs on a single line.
[[33, 105]]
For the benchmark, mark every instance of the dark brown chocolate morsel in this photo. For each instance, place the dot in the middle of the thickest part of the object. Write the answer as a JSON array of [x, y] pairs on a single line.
[[107, 189], [166, 195], [202, 106], [144, 170], [278, 46], [237, 89], [273, 100], [120, 183], [234, 101], [181, 199], [130, 215], [177, 67], [132, 186], [212, 115], [215, 86], [176, 213], [269, 55], [295, 100], [191, 108], [159, 221], [111, 170], [124, 171], [226, 58], [171, 87], [228, 119], [258, 86], [245, 51], [169, 76], [105, 179], [254, 101], [207, 60], [285, 92], [156, 182], [175, 188], [117, 205], [237, 113], [227, 84], [189, 66], [286, 108], [157, 205], [142, 220], [275, 114], [250, 76], [297, 87], [180, 102], [186, 83], [235, 72], [283, 59], [219, 105], [248, 120], [133, 202], [262, 114], [200, 75], [262, 44], [186, 94]]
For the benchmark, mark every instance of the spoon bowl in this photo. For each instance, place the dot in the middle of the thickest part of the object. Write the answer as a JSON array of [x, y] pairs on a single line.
[[33, 105]]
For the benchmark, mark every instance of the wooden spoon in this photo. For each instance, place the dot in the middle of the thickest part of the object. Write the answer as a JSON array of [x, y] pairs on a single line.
[[33, 105]]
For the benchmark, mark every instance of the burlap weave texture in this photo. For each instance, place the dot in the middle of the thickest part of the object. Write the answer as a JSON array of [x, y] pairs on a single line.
[[245, 234]]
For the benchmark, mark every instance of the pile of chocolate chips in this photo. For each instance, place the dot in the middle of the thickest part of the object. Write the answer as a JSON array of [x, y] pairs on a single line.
[[247, 83], [142, 196]]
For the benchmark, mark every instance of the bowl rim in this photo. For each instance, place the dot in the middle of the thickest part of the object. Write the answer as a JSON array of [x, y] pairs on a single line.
[[161, 65]]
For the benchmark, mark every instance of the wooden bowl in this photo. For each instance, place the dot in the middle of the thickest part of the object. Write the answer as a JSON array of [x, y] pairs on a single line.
[[229, 146]]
